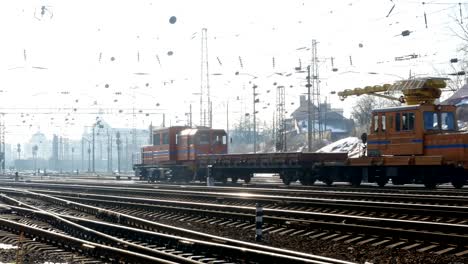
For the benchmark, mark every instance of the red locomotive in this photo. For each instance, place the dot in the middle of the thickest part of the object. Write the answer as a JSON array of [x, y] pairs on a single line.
[[175, 151], [182, 154]]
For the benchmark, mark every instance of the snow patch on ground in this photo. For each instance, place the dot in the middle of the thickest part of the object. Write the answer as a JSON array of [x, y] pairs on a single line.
[[351, 145]]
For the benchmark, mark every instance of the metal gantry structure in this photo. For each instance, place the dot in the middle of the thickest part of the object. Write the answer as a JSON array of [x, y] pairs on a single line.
[[205, 98], [314, 122], [280, 128], [315, 94]]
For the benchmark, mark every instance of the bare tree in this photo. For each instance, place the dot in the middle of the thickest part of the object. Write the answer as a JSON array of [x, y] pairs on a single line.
[[459, 66], [362, 111]]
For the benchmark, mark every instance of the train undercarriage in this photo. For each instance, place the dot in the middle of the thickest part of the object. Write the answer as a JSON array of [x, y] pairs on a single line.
[[430, 176]]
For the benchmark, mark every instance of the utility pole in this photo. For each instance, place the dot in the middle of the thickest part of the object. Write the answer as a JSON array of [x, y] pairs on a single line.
[[150, 130], [94, 125], [126, 153], [82, 155], [255, 100], [89, 158], [190, 116], [72, 158], [108, 152], [118, 151], [227, 126], [309, 113], [34, 151], [18, 149]]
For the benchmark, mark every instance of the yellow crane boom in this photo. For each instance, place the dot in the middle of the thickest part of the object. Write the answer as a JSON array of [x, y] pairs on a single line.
[[415, 91]]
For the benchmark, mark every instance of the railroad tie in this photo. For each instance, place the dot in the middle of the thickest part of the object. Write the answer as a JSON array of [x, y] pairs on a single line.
[[427, 248], [411, 246], [241, 225], [309, 233], [353, 239], [381, 242], [215, 221], [319, 235], [396, 244], [366, 241], [233, 223], [249, 226], [225, 222], [443, 251], [459, 254], [277, 230], [287, 232], [330, 236], [295, 233], [340, 238]]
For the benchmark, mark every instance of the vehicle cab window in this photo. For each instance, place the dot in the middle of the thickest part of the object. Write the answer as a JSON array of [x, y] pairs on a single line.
[[383, 123], [439, 121], [430, 121], [204, 138], [218, 139], [407, 121], [447, 121], [156, 139], [376, 123], [165, 139]]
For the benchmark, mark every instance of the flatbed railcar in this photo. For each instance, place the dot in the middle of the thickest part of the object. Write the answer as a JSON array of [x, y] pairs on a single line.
[[291, 166]]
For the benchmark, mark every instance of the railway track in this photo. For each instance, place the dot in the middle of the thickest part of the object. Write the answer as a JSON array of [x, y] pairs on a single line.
[[51, 241], [442, 230], [359, 229], [226, 193], [231, 250]]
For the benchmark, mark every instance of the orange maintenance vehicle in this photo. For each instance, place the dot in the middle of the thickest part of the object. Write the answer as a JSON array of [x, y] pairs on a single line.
[[416, 143]]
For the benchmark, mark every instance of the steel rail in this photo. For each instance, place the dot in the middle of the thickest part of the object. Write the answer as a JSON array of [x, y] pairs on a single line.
[[221, 192], [419, 209]]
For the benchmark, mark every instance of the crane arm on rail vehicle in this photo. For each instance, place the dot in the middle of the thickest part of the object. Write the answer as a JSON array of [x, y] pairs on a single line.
[[415, 91]]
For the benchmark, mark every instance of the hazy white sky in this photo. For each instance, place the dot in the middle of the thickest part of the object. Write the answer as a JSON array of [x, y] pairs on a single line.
[[76, 40]]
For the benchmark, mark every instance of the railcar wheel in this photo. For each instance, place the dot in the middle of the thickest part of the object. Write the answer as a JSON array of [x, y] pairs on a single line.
[[356, 180], [382, 181], [234, 179], [397, 181], [247, 179], [458, 184], [430, 184], [286, 180], [307, 178], [328, 181]]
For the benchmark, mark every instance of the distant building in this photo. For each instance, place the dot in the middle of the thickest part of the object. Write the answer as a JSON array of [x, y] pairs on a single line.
[[331, 121], [64, 154]]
